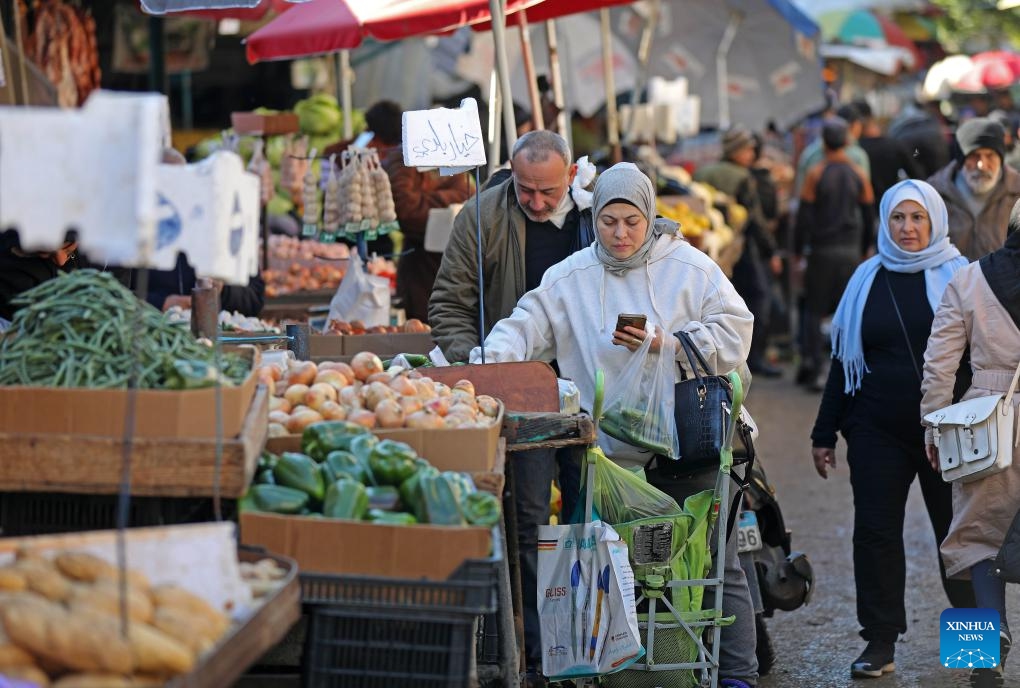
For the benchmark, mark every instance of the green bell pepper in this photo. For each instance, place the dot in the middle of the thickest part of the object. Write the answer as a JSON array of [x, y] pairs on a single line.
[[385, 498], [267, 460], [344, 462], [410, 491], [302, 473], [441, 496], [393, 518], [392, 462], [345, 498], [361, 447], [319, 439], [265, 477], [278, 499], [480, 509]]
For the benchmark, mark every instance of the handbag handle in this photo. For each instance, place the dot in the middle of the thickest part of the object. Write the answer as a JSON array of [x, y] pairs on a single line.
[[694, 356]]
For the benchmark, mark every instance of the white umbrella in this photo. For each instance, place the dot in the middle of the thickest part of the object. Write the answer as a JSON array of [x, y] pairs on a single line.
[[941, 76], [764, 53]]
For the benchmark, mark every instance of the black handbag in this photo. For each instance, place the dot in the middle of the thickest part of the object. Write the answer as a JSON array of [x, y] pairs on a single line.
[[701, 412], [1007, 563]]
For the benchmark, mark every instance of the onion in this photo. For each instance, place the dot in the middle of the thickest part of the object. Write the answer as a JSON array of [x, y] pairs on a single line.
[[378, 377], [350, 397], [465, 386], [299, 421], [280, 417], [280, 404], [332, 377], [278, 430], [363, 417], [458, 409], [331, 410], [376, 392], [426, 390], [424, 420], [439, 405], [461, 396], [488, 405], [295, 394], [364, 364], [410, 404], [389, 414], [401, 385], [319, 394], [302, 374], [442, 390]]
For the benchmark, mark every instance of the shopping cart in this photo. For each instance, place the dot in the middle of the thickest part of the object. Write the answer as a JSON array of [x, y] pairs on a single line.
[[673, 567]]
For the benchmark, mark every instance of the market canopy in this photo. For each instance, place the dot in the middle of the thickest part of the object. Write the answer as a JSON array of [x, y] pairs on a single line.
[[320, 27]]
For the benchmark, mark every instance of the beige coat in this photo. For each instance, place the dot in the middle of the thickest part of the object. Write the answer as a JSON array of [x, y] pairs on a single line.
[[971, 313]]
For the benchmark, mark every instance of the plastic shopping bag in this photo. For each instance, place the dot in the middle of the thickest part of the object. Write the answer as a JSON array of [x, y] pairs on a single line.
[[621, 495], [640, 402], [360, 296], [585, 601]]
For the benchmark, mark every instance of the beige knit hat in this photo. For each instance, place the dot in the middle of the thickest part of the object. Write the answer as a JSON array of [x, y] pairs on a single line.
[[736, 137]]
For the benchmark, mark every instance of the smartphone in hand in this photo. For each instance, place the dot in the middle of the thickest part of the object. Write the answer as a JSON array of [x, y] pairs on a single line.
[[630, 319]]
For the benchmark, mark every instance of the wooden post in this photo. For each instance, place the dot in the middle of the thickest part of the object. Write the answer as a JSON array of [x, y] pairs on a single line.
[[556, 77], [529, 71], [503, 68], [612, 116]]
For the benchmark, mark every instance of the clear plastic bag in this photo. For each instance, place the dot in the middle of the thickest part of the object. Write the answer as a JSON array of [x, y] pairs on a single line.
[[640, 404]]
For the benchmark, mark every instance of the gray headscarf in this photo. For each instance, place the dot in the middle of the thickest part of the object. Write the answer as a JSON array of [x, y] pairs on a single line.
[[625, 182]]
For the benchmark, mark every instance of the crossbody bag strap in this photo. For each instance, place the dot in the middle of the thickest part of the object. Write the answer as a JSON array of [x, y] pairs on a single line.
[[692, 354], [1012, 386], [903, 328]]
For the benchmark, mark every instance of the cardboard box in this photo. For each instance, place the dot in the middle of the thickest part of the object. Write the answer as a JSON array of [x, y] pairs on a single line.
[[264, 125], [322, 346], [357, 547], [452, 449], [159, 413]]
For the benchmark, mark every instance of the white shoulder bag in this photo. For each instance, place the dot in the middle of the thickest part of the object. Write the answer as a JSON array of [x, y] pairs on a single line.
[[975, 438]]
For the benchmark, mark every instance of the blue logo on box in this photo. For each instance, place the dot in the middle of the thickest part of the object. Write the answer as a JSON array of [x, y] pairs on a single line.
[[969, 638]]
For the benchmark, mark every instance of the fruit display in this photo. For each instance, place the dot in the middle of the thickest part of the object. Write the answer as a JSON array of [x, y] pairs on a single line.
[[692, 223], [61, 620], [310, 204], [356, 327], [293, 164], [345, 472], [365, 393], [363, 192], [85, 329]]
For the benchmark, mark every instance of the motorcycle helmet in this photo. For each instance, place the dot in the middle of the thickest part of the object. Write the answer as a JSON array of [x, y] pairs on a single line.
[[786, 583]]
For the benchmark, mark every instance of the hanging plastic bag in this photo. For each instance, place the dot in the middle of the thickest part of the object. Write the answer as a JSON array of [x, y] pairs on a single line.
[[639, 404], [360, 296], [586, 601], [621, 495]]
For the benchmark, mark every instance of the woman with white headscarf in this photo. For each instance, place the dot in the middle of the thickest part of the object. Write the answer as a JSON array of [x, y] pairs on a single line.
[[638, 264], [872, 396]]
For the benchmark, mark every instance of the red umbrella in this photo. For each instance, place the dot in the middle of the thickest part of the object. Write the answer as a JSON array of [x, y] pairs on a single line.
[[326, 26], [554, 9], [991, 70]]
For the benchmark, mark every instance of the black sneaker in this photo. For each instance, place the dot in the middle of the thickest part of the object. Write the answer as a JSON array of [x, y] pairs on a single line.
[[877, 659], [1005, 642]]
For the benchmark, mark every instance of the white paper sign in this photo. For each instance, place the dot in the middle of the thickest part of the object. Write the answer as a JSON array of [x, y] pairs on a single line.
[[92, 169], [443, 137], [210, 212]]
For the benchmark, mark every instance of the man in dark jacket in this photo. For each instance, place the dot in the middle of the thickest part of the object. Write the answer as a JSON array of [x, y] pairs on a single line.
[[979, 190], [758, 263], [835, 229], [890, 160], [529, 222]]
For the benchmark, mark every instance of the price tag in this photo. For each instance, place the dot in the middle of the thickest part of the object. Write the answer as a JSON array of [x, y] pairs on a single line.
[[748, 534], [444, 137]]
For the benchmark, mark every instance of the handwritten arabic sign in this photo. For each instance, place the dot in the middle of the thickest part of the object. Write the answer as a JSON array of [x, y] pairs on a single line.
[[443, 137]]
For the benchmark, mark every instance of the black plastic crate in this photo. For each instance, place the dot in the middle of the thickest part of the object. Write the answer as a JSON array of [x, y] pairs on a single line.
[[487, 639], [352, 647], [44, 513]]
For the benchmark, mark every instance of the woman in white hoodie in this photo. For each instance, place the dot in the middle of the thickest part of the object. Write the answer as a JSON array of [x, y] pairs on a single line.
[[638, 264]]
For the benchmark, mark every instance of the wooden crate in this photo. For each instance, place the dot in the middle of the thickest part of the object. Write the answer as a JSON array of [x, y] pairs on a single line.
[[87, 464]]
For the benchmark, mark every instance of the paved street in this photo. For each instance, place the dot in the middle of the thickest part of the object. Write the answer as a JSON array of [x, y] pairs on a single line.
[[816, 643]]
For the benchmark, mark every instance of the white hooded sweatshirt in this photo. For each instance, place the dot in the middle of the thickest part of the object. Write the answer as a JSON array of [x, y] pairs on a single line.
[[572, 314]]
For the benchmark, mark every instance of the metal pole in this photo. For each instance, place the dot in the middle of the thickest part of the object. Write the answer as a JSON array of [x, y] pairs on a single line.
[[556, 77], [722, 74], [503, 68], [645, 50], [494, 122], [612, 116], [22, 69], [481, 263], [343, 65], [529, 71], [157, 55]]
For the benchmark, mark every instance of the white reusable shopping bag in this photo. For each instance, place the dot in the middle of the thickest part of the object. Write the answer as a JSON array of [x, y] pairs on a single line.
[[586, 601], [360, 296]]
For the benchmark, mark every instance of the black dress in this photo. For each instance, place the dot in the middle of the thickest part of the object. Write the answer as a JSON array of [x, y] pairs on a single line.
[[885, 450]]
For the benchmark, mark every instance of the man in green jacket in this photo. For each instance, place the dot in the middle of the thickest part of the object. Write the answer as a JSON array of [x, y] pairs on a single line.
[[530, 222]]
